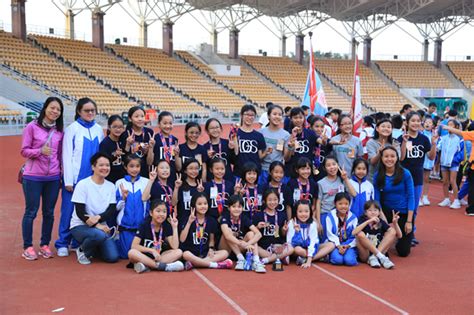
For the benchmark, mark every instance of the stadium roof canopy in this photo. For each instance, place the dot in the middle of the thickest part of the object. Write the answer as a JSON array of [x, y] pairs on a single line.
[[415, 11]]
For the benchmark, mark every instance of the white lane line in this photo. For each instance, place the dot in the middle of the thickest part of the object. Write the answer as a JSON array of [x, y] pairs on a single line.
[[220, 293], [399, 310]]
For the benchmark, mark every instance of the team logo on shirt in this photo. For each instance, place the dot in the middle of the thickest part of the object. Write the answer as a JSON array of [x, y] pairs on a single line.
[[248, 146], [302, 146], [222, 155], [162, 154], [269, 230], [373, 238], [251, 202], [219, 196], [199, 241], [416, 152]]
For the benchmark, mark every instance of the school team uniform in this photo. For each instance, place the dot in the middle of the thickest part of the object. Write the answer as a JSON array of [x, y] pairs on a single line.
[[281, 193], [145, 234], [131, 212], [365, 192], [374, 234], [252, 201], [278, 141], [452, 152], [428, 164], [268, 233], [218, 195], [109, 147], [307, 237], [139, 146], [163, 193], [199, 245], [80, 143], [320, 153], [199, 153], [165, 152], [250, 143], [240, 228], [295, 192], [304, 147], [340, 233], [221, 151], [327, 190], [185, 194], [347, 153]]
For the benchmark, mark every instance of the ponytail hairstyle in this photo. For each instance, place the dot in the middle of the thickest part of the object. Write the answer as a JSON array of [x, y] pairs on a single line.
[[380, 180]]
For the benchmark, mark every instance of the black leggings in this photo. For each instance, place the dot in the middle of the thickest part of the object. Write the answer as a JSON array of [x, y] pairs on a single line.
[[403, 245], [470, 196]]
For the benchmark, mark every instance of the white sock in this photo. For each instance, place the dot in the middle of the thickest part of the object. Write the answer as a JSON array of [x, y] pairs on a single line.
[[240, 257], [213, 265], [256, 258], [265, 261], [380, 255]]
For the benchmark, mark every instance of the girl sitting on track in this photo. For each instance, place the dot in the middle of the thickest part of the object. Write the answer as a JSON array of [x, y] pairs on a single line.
[[240, 235], [303, 236], [340, 223], [272, 225], [198, 238], [156, 244], [375, 236], [131, 207]]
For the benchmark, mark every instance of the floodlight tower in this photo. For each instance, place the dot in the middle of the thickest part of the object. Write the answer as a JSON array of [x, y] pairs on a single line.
[[19, 19], [69, 9], [142, 13]]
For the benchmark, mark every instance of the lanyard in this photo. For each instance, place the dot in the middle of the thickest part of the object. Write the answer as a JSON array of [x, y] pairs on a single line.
[[303, 196], [342, 229], [168, 193], [157, 242], [166, 147], [218, 145], [317, 156], [253, 206], [220, 198], [200, 233], [279, 188], [276, 222], [233, 224]]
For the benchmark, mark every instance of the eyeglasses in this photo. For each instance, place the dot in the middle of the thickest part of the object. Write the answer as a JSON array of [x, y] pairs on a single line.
[[90, 111], [249, 115]]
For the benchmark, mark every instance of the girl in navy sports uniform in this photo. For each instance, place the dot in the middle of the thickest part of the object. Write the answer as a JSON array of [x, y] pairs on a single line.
[[218, 148], [340, 223], [375, 236], [321, 149], [131, 207], [363, 188], [301, 188], [113, 146], [272, 225], [240, 235], [185, 186], [250, 191], [218, 189], [198, 238], [165, 146], [137, 137], [277, 173], [303, 236], [191, 149], [160, 188], [251, 144], [156, 243]]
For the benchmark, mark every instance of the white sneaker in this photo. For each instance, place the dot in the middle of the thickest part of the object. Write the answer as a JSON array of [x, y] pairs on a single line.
[[420, 203], [300, 260], [63, 252], [444, 203], [387, 263], [373, 262], [426, 201], [81, 257], [464, 202], [456, 204], [140, 267], [258, 267], [240, 265], [176, 266]]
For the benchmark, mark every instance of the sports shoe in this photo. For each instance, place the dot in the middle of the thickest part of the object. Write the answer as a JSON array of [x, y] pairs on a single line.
[[286, 260], [240, 265], [464, 202], [176, 266], [63, 252], [444, 203], [46, 252], [81, 257], [415, 241], [426, 201], [373, 262], [456, 204], [387, 263], [300, 260], [421, 203], [225, 264], [140, 267], [29, 254], [258, 267], [188, 265], [469, 213]]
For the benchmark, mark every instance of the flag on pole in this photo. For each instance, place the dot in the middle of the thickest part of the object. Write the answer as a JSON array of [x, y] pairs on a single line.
[[314, 96], [356, 108]]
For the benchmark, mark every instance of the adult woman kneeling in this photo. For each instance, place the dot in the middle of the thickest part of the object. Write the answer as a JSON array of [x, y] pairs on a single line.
[[94, 203]]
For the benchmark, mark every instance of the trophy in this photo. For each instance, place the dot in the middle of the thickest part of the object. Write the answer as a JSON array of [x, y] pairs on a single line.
[[278, 250]]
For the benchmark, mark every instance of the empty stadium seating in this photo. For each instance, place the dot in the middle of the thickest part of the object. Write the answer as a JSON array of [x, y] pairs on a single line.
[[293, 76], [464, 71], [414, 74], [8, 115]]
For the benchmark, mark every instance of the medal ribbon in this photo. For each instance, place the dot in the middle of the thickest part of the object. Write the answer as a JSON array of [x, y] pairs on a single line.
[[276, 221], [220, 198], [303, 196], [342, 227], [200, 232], [166, 147], [253, 206], [168, 195], [157, 242]]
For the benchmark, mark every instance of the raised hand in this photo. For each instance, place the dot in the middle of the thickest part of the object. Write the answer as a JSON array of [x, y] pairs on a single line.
[[200, 187], [178, 183], [46, 150], [124, 192], [173, 220], [343, 173], [375, 220], [131, 137], [176, 151], [296, 226], [285, 227], [405, 137], [153, 174], [395, 217], [192, 215], [152, 141], [238, 186], [211, 152]]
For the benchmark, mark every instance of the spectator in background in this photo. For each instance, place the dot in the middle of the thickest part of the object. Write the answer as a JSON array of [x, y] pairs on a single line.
[[397, 124], [432, 110], [263, 121], [287, 120], [407, 108], [452, 114]]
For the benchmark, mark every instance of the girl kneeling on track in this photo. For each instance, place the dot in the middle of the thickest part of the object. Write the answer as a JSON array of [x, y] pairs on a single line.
[[240, 235], [303, 236], [375, 236], [198, 238], [340, 223], [272, 225], [156, 244]]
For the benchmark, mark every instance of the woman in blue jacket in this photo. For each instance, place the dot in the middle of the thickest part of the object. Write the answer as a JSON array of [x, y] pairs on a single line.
[[81, 142], [394, 190]]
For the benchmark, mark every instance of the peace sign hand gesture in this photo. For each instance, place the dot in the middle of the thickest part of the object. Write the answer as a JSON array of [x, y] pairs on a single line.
[[296, 226], [285, 227], [178, 183], [173, 220], [152, 175], [200, 187], [395, 217], [238, 186], [192, 215], [131, 137], [124, 192], [152, 140], [343, 173]]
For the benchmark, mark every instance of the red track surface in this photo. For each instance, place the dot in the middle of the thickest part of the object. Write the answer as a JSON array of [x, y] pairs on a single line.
[[437, 278]]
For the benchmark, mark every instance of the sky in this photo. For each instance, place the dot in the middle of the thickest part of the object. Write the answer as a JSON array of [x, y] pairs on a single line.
[[188, 34]]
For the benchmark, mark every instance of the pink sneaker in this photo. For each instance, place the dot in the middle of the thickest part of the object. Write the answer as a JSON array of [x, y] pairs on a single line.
[[30, 254], [188, 266], [46, 252], [226, 264]]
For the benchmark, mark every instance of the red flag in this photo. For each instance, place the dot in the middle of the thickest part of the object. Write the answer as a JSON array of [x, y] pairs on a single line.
[[356, 108]]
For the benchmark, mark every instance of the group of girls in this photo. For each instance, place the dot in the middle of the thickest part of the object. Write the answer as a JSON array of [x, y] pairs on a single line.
[[268, 194]]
